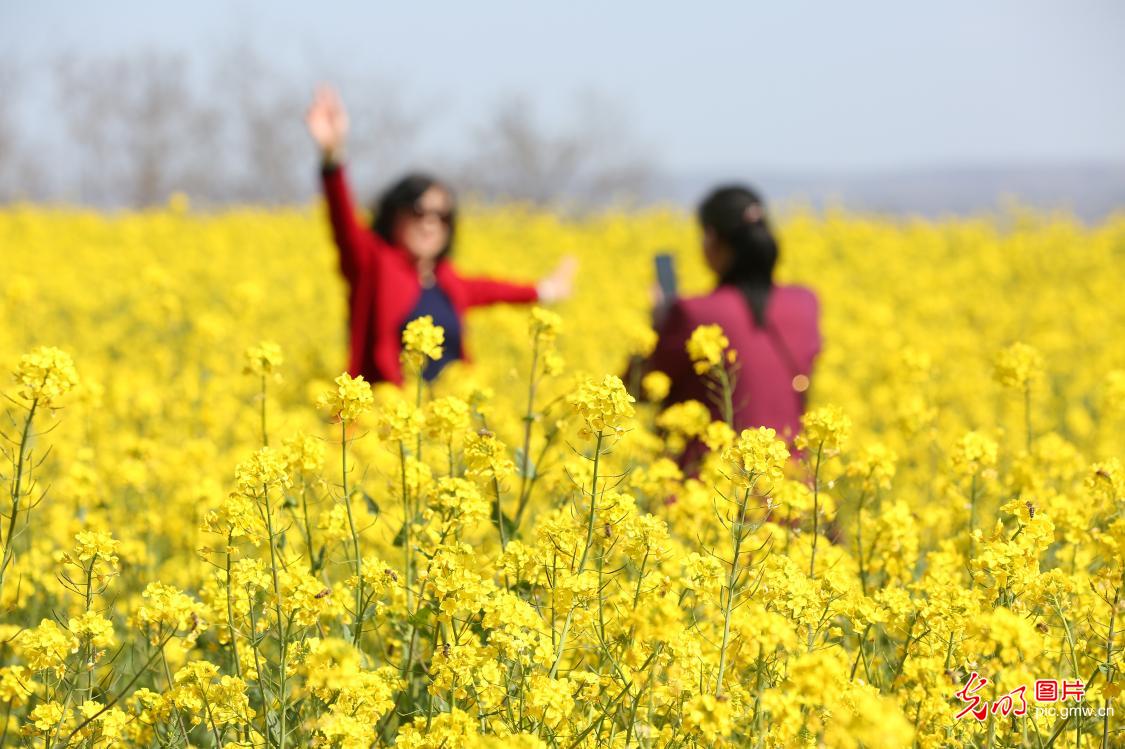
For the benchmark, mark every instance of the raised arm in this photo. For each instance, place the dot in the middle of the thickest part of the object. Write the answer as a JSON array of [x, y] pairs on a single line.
[[327, 122], [352, 240]]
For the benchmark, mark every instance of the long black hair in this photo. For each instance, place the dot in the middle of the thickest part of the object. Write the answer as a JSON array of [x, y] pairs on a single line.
[[737, 215], [402, 196]]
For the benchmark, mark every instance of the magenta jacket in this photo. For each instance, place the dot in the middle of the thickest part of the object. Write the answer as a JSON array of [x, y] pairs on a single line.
[[769, 359]]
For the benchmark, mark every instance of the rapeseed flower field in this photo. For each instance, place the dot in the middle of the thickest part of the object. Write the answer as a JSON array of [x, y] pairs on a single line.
[[211, 537]]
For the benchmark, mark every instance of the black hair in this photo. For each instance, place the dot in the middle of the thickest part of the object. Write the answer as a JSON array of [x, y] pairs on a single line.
[[401, 196], [737, 216]]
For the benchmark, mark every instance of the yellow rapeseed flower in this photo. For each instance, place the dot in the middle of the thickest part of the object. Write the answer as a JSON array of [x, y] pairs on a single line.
[[707, 348], [350, 399], [603, 405], [45, 375]]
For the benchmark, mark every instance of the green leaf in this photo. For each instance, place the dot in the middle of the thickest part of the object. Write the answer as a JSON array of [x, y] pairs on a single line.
[[421, 617], [509, 524], [531, 468], [400, 537]]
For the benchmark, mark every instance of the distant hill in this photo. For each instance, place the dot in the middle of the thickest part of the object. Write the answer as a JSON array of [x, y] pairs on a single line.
[[1089, 191]]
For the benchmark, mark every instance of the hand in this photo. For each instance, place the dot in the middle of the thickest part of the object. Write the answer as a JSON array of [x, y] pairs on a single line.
[[560, 284], [327, 121], [660, 305]]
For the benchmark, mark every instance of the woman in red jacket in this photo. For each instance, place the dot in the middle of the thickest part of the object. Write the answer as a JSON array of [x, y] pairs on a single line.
[[399, 269], [774, 329]]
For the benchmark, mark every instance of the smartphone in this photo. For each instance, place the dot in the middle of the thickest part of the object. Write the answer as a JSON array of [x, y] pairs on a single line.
[[666, 276]]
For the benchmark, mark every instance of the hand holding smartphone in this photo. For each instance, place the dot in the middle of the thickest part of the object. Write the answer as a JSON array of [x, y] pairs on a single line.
[[665, 292], [666, 276]]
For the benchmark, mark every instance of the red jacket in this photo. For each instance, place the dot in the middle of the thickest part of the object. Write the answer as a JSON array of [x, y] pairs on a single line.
[[383, 287], [763, 392]]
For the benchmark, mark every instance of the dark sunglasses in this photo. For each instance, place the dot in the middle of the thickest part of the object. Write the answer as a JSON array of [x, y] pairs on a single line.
[[417, 211]]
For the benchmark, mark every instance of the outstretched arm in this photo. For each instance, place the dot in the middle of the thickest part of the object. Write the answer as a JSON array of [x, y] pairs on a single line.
[[483, 291], [327, 122], [553, 288]]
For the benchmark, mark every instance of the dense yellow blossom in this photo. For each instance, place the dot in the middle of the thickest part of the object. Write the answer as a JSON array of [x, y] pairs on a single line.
[[198, 551], [422, 341], [351, 397], [1019, 365], [264, 359], [603, 405], [824, 429], [45, 375]]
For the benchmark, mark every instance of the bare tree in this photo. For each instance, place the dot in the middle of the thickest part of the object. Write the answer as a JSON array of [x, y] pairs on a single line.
[[135, 127], [264, 144], [138, 128], [386, 129], [20, 175], [590, 161], [270, 154], [8, 135]]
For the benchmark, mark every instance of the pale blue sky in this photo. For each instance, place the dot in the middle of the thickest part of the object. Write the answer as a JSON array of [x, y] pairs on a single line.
[[791, 85]]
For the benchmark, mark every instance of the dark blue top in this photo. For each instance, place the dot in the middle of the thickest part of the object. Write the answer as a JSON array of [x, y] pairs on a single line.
[[436, 304]]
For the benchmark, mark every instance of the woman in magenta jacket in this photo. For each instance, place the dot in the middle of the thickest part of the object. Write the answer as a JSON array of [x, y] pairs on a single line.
[[399, 269], [774, 329]]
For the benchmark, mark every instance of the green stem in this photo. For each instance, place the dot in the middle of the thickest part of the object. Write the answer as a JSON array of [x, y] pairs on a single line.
[[254, 645], [230, 611], [17, 492], [972, 515], [407, 543], [265, 434], [728, 396], [815, 512], [1109, 660], [905, 650], [308, 526], [176, 710], [529, 419], [418, 406], [109, 705], [737, 530], [88, 642], [859, 651], [859, 544], [499, 515], [357, 629], [593, 506], [283, 643], [407, 523]]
